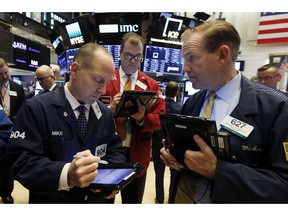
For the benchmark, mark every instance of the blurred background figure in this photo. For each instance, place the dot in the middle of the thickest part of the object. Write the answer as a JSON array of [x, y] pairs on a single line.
[[171, 91], [45, 77], [12, 97], [269, 75]]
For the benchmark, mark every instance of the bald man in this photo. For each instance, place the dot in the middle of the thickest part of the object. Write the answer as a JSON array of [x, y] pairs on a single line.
[[46, 78]]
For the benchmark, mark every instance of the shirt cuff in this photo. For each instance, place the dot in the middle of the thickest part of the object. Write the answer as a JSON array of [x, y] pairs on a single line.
[[139, 123], [63, 182]]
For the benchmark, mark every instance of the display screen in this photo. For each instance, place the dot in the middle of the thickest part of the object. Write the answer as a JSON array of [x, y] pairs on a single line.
[[115, 51], [167, 27], [239, 65], [70, 53], [28, 54], [189, 88], [160, 59], [17, 79], [112, 176], [112, 26], [62, 62]]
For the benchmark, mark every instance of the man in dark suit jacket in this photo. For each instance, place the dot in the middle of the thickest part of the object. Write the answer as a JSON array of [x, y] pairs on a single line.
[[5, 131], [171, 91], [253, 166], [46, 78], [42, 151], [12, 97]]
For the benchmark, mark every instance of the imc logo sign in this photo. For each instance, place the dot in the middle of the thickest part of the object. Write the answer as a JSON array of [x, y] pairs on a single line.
[[115, 28], [74, 33], [172, 28]]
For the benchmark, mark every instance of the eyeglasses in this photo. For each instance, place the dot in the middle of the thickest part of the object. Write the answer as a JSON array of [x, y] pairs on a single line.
[[128, 56], [40, 79], [266, 78]]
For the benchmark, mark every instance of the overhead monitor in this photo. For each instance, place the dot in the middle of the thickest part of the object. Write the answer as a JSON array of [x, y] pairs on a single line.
[[70, 53], [112, 26], [167, 28], [62, 62], [115, 52], [160, 59], [29, 55], [73, 33]]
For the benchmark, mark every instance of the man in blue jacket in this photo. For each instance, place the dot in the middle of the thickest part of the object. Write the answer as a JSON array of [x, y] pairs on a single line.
[[5, 131], [46, 134], [254, 168]]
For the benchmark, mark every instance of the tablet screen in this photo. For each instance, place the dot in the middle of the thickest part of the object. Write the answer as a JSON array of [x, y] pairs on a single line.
[[113, 176]]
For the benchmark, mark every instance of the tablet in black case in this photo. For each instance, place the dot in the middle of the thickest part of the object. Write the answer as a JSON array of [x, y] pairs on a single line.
[[180, 129], [147, 98], [115, 176]]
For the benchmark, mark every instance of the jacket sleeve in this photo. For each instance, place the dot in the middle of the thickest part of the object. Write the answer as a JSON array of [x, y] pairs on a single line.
[[5, 131], [151, 118], [265, 181], [26, 152]]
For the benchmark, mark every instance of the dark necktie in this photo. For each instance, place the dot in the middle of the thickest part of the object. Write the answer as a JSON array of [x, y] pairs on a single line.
[[82, 121]]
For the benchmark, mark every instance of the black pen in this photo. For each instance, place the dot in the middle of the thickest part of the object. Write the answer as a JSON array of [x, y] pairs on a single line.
[[100, 161]]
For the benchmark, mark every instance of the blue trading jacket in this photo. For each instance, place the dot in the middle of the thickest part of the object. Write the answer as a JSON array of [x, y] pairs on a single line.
[[256, 170]]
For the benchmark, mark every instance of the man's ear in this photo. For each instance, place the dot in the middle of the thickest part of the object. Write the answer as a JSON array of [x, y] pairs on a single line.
[[223, 53], [74, 69]]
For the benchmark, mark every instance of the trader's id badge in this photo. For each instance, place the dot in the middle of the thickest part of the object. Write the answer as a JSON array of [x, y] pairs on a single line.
[[285, 145], [237, 127], [97, 110]]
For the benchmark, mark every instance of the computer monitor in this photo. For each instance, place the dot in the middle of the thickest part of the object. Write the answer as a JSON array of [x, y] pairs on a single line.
[[70, 53], [189, 88], [62, 62], [162, 59], [115, 52], [17, 79], [239, 65]]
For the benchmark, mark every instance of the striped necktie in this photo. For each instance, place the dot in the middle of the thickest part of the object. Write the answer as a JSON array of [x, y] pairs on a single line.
[[128, 83]]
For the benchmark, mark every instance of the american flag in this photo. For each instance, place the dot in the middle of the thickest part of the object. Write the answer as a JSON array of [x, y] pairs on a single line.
[[273, 28]]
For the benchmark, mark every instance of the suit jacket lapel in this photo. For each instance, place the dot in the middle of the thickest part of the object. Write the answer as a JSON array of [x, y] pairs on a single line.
[[141, 78], [64, 109]]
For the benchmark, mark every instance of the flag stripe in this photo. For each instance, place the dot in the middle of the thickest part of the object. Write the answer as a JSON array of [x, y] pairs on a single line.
[[276, 26], [272, 40], [273, 28], [279, 35], [269, 31], [271, 22]]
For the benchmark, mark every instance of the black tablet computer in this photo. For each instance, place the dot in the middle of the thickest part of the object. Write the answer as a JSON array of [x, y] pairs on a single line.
[[147, 98], [115, 176], [180, 129]]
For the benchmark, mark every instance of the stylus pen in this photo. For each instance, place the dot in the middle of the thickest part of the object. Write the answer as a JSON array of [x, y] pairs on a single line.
[[100, 161], [174, 162]]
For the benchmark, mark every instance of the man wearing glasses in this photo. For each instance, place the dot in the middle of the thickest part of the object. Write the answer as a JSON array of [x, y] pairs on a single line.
[[136, 132], [269, 75], [46, 78]]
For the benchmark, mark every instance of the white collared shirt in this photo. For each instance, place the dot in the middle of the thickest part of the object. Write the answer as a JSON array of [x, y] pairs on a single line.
[[226, 99], [123, 78], [63, 181]]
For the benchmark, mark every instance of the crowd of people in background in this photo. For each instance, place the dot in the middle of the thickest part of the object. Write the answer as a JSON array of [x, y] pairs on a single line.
[[46, 131]]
